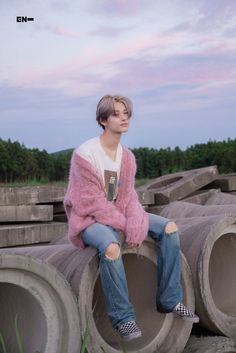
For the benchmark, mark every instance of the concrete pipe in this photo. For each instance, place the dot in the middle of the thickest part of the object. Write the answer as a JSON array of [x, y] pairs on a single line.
[[210, 345], [209, 244], [221, 198], [161, 333], [180, 209], [42, 299]]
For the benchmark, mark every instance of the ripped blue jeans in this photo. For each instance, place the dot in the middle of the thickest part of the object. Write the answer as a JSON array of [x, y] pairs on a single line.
[[112, 273]]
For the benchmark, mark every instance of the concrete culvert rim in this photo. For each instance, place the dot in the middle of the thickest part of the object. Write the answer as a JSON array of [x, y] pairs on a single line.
[[161, 327], [45, 305], [217, 268], [161, 184], [210, 344]]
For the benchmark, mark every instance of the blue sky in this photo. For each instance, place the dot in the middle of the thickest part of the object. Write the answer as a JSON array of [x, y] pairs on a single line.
[[175, 59]]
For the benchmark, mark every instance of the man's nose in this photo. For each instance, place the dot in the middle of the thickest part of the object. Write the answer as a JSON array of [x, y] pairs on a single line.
[[124, 117]]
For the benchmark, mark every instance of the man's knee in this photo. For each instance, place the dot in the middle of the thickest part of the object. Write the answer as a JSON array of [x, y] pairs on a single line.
[[171, 227], [112, 251]]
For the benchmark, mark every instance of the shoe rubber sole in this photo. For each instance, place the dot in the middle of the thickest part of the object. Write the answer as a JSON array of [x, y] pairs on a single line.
[[187, 318], [132, 336]]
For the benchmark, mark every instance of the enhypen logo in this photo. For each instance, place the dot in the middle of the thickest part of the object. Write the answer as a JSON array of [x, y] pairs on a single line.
[[24, 19]]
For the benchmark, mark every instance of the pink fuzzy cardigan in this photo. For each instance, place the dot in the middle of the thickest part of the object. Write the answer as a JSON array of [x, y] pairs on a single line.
[[85, 201]]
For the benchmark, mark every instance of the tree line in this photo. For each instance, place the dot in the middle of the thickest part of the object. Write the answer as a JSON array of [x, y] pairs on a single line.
[[21, 164]]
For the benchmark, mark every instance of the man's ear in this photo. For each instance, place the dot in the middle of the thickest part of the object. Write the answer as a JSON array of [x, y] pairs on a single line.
[[103, 122]]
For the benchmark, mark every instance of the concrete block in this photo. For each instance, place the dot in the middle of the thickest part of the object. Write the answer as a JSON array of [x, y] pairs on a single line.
[[26, 213], [180, 209], [200, 197], [25, 234], [31, 195], [225, 183], [221, 198], [156, 209], [176, 186], [146, 197]]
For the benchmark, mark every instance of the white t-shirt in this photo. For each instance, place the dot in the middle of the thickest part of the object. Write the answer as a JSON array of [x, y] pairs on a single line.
[[109, 170]]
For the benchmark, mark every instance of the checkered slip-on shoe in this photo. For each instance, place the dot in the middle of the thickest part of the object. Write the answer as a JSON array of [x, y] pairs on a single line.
[[129, 331], [185, 313]]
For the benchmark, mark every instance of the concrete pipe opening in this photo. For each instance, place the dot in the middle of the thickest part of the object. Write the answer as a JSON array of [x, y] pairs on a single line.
[[160, 331], [218, 282], [209, 244], [18, 303], [222, 273], [42, 299], [142, 290]]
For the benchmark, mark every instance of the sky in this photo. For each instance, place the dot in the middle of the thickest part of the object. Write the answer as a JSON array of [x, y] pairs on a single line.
[[175, 59]]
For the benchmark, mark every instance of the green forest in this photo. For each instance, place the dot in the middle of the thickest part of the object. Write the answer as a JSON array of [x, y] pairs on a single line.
[[21, 164]]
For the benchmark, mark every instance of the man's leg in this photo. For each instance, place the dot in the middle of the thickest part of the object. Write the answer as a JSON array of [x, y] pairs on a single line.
[[168, 262], [112, 273], [170, 294]]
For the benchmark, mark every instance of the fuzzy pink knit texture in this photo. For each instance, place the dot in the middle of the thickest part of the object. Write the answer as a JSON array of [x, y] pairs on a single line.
[[85, 201]]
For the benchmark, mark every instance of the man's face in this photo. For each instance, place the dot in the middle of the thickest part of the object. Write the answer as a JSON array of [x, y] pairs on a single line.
[[118, 121]]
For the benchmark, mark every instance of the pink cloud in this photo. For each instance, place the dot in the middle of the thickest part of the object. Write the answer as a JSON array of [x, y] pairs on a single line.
[[59, 30], [123, 7], [93, 57], [141, 63], [109, 31]]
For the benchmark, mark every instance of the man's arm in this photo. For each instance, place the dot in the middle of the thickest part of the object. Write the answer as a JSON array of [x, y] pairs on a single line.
[[87, 198], [136, 217]]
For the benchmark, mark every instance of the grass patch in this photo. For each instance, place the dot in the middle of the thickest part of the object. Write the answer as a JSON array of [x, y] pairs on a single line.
[[20, 346], [17, 184], [139, 182]]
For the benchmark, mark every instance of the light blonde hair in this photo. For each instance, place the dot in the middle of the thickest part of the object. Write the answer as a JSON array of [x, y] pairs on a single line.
[[105, 107]]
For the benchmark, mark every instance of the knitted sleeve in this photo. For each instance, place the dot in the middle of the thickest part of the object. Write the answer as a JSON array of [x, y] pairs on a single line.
[[136, 218], [87, 198]]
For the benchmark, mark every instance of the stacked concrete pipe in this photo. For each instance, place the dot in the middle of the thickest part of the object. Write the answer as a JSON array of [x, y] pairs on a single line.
[[210, 345], [180, 209], [56, 292], [40, 296], [209, 245]]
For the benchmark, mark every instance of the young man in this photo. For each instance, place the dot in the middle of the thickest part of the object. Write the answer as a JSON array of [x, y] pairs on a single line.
[[102, 206]]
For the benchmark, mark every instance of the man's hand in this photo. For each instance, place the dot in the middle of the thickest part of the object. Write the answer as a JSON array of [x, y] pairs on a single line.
[[132, 245]]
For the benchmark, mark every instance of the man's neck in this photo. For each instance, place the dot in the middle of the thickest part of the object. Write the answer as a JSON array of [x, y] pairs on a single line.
[[109, 140]]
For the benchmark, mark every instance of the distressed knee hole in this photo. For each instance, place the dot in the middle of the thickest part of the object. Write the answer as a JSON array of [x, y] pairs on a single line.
[[112, 251], [171, 227]]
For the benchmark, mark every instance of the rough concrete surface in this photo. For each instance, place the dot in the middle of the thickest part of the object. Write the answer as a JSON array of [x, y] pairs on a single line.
[[31, 195], [42, 298], [225, 182], [214, 344], [200, 197], [180, 209], [26, 213], [48, 283], [221, 198], [176, 186], [209, 244], [25, 234]]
